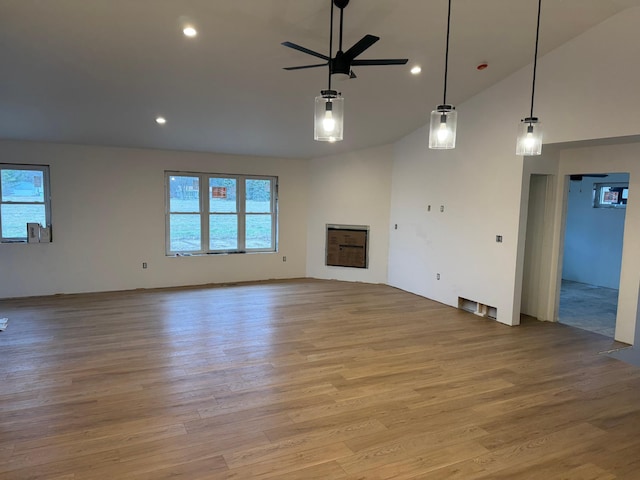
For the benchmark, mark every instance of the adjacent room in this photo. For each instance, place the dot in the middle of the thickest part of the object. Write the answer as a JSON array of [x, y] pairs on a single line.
[[593, 251], [320, 239]]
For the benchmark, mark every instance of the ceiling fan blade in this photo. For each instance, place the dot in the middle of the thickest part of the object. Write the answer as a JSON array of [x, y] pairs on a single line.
[[306, 66], [305, 50], [352, 74], [380, 61], [362, 44]]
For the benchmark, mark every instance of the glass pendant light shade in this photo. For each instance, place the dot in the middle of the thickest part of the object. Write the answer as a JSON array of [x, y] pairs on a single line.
[[529, 141], [442, 132], [329, 117]]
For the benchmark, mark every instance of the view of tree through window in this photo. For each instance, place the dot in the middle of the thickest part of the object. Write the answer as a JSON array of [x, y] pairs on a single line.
[[24, 199], [220, 213], [184, 220], [223, 213], [258, 216]]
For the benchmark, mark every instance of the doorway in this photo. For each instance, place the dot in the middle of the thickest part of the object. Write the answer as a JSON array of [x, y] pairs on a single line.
[[592, 258]]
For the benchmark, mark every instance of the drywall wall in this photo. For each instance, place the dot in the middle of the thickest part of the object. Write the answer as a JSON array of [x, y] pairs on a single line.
[[593, 236], [535, 236], [108, 217], [478, 186], [482, 182], [350, 189]]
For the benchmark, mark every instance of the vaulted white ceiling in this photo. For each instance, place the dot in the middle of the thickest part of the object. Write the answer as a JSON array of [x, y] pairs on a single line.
[[100, 71]]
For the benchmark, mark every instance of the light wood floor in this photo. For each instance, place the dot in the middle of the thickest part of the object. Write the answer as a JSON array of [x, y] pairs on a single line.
[[305, 380]]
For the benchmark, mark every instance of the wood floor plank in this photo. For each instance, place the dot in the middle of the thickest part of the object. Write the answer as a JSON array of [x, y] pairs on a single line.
[[515, 460], [289, 463], [420, 466], [304, 379], [305, 441], [373, 451]]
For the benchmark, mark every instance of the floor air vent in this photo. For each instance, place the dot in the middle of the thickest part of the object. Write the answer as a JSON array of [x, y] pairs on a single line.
[[477, 308]]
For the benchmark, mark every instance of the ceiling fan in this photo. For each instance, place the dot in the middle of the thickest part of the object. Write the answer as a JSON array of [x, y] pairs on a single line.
[[341, 64]]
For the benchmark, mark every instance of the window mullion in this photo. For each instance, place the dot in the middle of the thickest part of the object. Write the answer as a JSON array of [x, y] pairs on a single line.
[[241, 198], [46, 189], [274, 194], [204, 213]]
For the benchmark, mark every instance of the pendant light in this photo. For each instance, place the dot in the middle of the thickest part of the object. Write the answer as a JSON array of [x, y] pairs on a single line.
[[329, 107], [529, 140], [442, 131], [328, 125]]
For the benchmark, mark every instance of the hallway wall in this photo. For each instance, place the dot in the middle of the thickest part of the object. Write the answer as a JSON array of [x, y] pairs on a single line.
[[593, 237]]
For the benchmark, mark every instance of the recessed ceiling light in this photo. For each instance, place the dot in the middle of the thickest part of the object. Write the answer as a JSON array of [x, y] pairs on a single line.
[[189, 31], [416, 70], [161, 120]]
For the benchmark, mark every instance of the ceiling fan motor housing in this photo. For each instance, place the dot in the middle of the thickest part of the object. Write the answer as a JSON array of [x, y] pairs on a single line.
[[341, 65]]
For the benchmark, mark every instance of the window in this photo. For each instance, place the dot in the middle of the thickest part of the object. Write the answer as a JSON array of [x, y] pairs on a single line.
[[208, 213], [24, 198], [610, 195]]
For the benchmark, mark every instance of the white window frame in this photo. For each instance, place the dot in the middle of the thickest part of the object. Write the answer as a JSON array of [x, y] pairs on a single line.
[[44, 169], [204, 212]]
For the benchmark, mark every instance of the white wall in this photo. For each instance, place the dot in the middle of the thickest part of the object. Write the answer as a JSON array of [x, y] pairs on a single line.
[[586, 89], [593, 236], [350, 189], [108, 218], [478, 183]]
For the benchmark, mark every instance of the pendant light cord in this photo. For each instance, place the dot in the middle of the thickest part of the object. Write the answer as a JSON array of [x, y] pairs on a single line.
[[330, 43], [535, 59], [341, 27], [446, 55]]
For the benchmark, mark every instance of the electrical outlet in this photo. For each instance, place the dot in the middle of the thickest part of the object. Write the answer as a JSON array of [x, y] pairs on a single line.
[[442, 208], [284, 258], [428, 208], [437, 276], [498, 238], [396, 226], [144, 264]]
